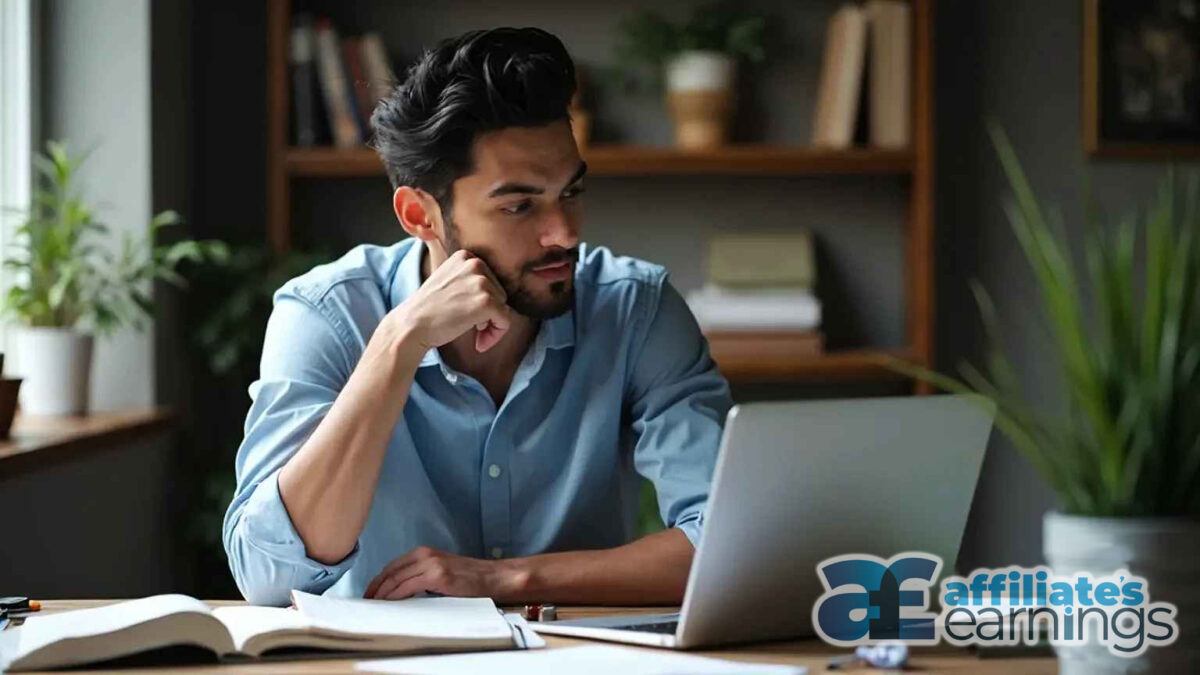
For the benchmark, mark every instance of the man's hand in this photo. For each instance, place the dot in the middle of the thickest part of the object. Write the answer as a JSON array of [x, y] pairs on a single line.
[[430, 570], [462, 293]]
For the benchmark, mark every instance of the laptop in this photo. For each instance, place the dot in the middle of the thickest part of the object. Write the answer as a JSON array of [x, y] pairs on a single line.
[[799, 482]]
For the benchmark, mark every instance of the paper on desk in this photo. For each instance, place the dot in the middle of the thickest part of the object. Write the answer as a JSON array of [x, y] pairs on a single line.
[[590, 660]]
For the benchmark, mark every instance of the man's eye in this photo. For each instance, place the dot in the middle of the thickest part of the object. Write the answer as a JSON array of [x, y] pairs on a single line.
[[570, 193], [518, 208]]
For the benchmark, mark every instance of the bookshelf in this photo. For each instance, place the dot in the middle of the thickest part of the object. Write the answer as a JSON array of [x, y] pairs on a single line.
[[915, 166]]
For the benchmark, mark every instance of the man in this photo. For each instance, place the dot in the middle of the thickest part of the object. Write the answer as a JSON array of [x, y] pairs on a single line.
[[467, 412]]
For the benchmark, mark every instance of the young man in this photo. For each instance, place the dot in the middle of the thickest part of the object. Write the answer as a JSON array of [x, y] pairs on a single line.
[[467, 412]]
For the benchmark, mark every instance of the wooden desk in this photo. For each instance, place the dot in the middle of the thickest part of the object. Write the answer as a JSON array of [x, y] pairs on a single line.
[[811, 653]]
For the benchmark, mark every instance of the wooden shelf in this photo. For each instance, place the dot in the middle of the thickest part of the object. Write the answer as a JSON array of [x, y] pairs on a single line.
[[846, 366], [633, 160], [37, 441]]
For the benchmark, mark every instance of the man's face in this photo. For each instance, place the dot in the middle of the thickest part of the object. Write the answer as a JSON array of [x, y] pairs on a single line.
[[520, 211]]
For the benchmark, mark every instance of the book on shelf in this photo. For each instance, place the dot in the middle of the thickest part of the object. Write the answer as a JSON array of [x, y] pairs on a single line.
[[336, 83], [758, 259], [335, 89], [757, 282], [758, 309], [305, 123], [867, 45], [840, 85], [765, 344], [380, 77], [145, 626], [360, 93], [890, 80]]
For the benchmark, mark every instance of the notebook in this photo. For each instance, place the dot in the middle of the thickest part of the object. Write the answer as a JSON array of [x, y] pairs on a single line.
[[430, 624], [590, 660]]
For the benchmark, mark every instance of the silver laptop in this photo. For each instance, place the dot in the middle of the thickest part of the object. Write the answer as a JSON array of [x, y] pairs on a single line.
[[797, 483]]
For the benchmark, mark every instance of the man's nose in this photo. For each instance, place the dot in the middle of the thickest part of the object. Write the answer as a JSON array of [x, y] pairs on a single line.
[[561, 229]]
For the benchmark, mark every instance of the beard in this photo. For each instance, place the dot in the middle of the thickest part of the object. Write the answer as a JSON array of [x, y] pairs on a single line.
[[521, 297]]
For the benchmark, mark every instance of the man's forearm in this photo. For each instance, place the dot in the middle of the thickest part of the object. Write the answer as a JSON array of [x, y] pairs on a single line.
[[650, 571], [328, 485]]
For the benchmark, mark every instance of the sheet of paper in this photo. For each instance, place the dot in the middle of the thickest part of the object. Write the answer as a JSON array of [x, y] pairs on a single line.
[[589, 660], [39, 631], [418, 617]]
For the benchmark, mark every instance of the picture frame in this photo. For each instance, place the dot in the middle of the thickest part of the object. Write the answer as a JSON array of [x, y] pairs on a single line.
[[1141, 78]]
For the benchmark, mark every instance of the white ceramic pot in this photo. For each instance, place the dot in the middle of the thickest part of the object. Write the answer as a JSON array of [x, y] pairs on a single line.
[[1165, 551], [700, 97], [56, 364]]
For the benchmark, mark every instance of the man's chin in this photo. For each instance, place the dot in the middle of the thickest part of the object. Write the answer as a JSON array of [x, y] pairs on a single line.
[[543, 308]]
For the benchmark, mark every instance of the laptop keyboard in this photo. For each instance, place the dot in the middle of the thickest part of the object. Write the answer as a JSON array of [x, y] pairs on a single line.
[[667, 627]]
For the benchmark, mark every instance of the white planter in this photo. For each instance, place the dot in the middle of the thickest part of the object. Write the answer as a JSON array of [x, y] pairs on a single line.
[[1165, 551], [56, 364], [700, 70], [700, 97]]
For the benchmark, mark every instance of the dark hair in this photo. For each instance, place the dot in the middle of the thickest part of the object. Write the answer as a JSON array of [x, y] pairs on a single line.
[[480, 81]]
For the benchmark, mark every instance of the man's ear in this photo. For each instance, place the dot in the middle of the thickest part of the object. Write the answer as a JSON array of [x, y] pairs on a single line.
[[417, 211]]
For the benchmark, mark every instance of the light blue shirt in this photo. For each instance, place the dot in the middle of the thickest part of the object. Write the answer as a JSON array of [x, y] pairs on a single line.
[[619, 386]]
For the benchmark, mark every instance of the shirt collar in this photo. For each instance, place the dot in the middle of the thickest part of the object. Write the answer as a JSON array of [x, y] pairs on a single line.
[[555, 333]]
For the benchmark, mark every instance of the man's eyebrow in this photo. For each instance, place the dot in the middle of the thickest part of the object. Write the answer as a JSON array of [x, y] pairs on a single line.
[[527, 189]]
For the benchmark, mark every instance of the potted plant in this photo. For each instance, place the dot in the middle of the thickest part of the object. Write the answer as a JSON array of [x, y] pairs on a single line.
[[1125, 459], [71, 281], [696, 60]]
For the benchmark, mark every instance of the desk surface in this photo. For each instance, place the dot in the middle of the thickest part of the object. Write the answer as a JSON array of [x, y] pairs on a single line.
[[811, 653]]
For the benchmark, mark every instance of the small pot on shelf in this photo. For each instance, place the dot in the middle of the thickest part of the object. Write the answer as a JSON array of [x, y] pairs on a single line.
[[56, 365], [700, 98]]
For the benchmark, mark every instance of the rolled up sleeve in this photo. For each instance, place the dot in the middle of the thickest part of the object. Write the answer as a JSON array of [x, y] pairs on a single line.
[[678, 403], [305, 363]]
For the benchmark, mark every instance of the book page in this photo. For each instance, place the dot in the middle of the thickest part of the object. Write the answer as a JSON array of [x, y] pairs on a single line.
[[452, 618], [39, 631], [245, 622]]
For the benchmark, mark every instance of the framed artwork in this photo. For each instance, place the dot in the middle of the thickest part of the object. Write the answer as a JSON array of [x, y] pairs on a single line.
[[1141, 78]]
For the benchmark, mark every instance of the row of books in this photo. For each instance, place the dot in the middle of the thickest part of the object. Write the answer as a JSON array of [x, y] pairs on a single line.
[[336, 83], [759, 296], [882, 30]]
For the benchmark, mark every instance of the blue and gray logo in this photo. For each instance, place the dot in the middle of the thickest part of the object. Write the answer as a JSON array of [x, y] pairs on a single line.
[[865, 595]]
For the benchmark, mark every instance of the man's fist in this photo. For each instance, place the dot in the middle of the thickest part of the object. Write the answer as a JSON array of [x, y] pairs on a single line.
[[461, 294]]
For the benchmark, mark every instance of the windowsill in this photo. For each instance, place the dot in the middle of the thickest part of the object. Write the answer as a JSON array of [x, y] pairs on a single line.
[[36, 441]]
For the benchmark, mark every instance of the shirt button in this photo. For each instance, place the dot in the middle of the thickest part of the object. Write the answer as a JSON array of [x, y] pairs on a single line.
[[494, 471], [497, 552], [452, 378]]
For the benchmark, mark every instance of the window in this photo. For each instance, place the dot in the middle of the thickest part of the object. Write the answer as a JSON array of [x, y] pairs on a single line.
[[16, 121]]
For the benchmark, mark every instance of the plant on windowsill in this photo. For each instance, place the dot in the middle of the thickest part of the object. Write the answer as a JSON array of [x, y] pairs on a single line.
[[73, 280], [696, 60], [1125, 459]]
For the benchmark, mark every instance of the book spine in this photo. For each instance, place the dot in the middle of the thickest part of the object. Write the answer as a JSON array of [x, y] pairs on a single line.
[[891, 73], [304, 101], [841, 79], [381, 79], [360, 98], [332, 76]]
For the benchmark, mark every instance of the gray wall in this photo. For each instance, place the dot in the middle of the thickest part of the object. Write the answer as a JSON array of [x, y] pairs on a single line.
[[1017, 61]]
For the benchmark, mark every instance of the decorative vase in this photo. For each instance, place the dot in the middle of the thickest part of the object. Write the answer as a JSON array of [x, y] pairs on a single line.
[[56, 364], [700, 98], [1164, 551]]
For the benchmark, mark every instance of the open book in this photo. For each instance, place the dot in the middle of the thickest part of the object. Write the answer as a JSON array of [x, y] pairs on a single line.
[[432, 624]]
